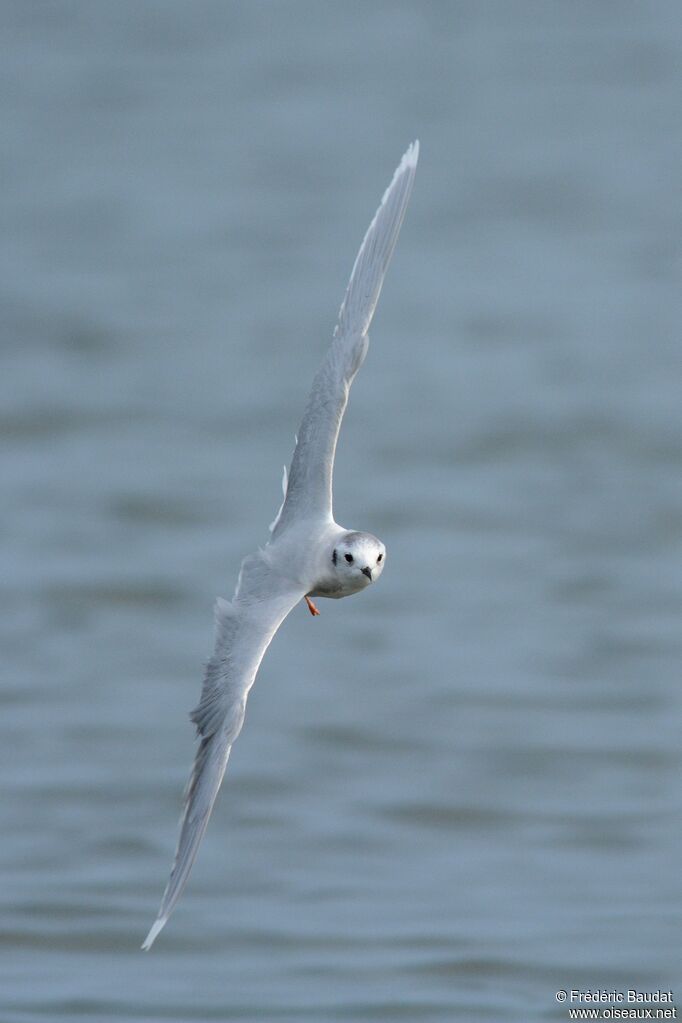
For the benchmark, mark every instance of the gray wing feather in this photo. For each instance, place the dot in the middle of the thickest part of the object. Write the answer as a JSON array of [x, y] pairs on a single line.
[[309, 490], [244, 628]]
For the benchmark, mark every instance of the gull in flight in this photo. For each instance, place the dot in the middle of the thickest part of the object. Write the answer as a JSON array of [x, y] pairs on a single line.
[[308, 554]]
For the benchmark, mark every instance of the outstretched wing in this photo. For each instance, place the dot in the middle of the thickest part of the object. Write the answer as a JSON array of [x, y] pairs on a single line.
[[244, 628], [309, 489]]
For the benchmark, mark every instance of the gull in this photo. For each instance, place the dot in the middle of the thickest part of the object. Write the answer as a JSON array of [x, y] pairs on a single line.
[[308, 554]]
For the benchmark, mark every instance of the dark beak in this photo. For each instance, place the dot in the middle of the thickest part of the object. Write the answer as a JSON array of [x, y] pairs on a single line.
[[368, 572]]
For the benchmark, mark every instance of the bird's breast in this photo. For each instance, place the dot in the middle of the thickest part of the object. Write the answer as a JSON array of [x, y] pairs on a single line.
[[327, 588], [336, 588]]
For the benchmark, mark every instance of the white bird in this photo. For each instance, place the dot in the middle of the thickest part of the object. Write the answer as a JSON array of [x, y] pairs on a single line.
[[308, 554]]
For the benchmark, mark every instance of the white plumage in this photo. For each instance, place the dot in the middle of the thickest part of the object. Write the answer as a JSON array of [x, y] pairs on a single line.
[[308, 553]]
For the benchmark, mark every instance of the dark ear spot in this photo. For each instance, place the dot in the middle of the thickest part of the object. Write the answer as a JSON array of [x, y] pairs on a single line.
[[334, 556]]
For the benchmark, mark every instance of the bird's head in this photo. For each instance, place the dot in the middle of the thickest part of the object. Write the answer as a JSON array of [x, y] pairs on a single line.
[[358, 559]]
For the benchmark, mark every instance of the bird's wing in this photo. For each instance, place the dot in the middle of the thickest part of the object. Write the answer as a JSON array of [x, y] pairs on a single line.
[[309, 489], [244, 629]]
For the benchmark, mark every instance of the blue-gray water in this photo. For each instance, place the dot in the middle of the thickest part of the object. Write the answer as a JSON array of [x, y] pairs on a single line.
[[460, 791]]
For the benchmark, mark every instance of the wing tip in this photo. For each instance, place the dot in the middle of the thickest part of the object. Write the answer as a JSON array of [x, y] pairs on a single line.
[[411, 155], [407, 163], [359, 318], [154, 932]]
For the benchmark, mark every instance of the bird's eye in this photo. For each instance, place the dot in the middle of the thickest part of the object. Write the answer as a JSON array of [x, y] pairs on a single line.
[[349, 559], [379, 557]]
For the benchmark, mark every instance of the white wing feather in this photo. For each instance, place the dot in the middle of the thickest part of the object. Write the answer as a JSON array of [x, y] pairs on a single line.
[[244, 628], [285, 483], [309, 490]]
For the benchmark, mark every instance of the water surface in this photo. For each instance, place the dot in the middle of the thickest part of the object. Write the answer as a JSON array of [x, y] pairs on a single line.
[[454, 794]]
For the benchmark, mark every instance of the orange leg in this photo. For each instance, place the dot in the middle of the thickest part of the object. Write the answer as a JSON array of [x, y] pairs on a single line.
[[311, 607]]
